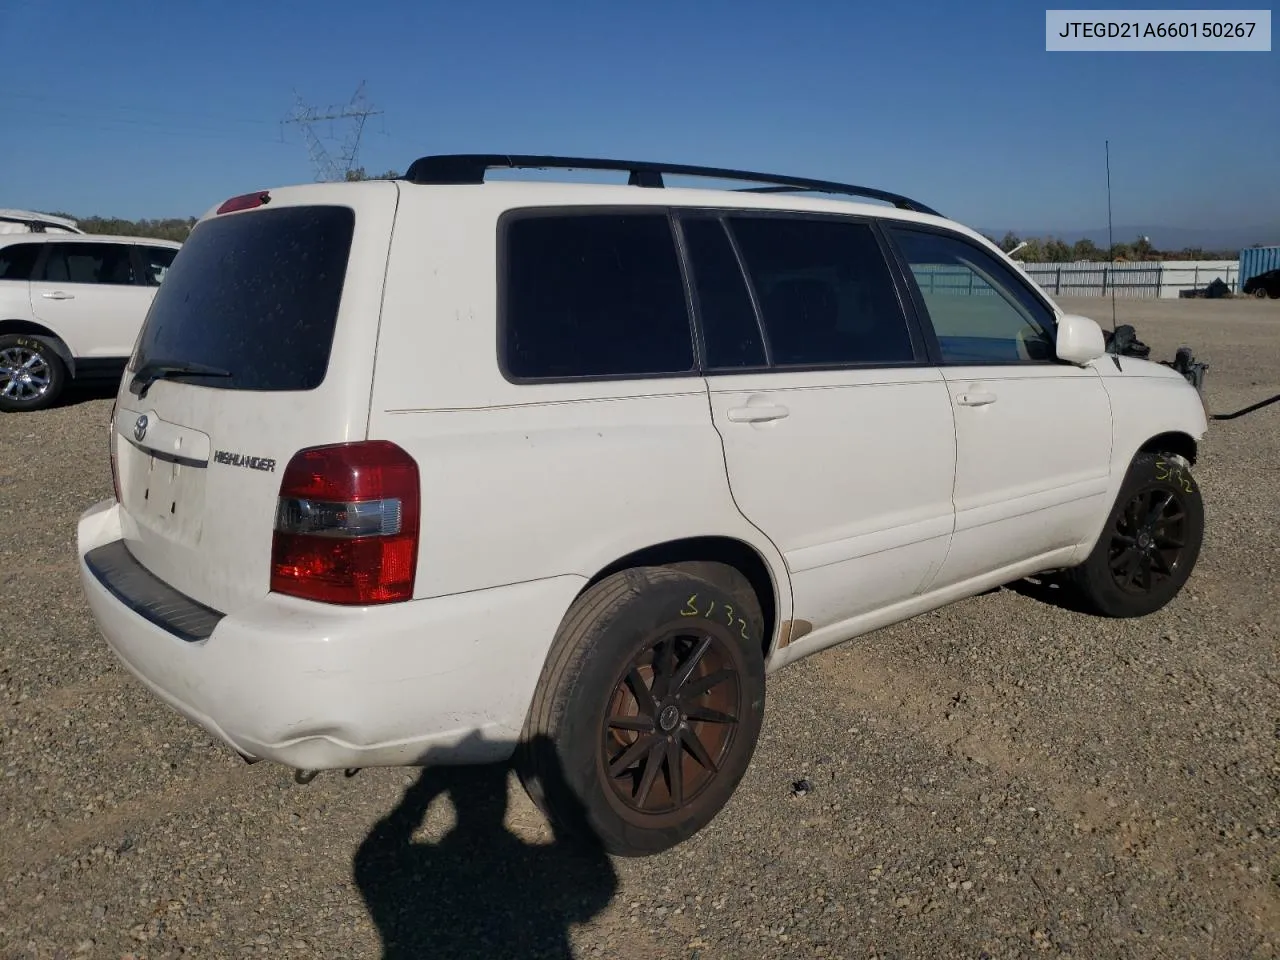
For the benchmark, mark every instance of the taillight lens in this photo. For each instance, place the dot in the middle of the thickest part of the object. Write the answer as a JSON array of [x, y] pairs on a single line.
[[346, 528]]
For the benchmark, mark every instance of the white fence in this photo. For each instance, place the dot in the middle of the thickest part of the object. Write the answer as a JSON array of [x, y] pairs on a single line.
[[1165, 279]]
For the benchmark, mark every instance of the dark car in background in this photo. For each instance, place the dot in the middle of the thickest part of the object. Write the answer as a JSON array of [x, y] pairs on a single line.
[[1264, 285]]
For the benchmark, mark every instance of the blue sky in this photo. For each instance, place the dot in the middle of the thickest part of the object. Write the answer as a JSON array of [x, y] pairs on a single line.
[[147, 108]]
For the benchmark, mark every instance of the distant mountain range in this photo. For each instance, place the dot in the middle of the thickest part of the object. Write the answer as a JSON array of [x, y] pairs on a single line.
[[1162, 238]]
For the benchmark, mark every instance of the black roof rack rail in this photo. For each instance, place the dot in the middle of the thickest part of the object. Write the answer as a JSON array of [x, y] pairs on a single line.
[[470, 168]]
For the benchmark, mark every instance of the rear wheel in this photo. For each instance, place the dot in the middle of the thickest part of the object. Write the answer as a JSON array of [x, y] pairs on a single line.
[[648, 710], [32, 374], [1151, 542]]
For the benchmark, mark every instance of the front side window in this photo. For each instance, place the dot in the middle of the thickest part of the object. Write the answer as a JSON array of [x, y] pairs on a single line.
[[594, 295], [825, 292], [99, 263], [981, 313]]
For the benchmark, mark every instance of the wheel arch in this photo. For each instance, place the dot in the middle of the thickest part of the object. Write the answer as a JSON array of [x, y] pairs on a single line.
[[43, 334], [1172, 441], [737, 554]]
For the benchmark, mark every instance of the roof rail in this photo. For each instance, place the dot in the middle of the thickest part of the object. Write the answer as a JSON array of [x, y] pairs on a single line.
[[470, 168]]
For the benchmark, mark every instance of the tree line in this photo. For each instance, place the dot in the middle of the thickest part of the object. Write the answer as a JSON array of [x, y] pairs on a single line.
[[1055, 250]]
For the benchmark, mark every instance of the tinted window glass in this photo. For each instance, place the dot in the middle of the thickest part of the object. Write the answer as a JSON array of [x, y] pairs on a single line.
[[156, 262], [595, 295], [825, 291], [256, 294], [729, 324], [108, 263], [980, 311], [17, 260]]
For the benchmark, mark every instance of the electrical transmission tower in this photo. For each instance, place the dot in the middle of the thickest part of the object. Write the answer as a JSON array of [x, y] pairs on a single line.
[[328, 166]]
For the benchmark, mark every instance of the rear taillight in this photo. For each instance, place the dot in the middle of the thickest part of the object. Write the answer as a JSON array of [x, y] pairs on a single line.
[[111, 453], [346, 528]]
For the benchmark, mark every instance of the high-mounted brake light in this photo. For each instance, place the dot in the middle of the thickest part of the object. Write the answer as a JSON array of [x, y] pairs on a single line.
[[346, 528], [246, 201]]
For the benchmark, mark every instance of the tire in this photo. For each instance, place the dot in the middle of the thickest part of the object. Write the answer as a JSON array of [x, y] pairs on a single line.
[[1136, 569], [607, 663], [32, 375], [1260, 293]]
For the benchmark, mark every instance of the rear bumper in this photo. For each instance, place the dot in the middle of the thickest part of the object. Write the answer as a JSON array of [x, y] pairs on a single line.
[[317, 687]]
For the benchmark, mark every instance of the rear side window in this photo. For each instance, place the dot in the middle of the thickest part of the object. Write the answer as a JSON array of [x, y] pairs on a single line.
[[825, 291], [255, 294], [17, 260], [594, 295], [101, 263]]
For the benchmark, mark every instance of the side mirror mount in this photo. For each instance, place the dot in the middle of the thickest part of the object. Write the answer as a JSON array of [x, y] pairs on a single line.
[[1080, 340]]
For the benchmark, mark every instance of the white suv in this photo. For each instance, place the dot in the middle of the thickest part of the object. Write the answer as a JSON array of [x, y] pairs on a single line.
[[441, 470], [71, 307]]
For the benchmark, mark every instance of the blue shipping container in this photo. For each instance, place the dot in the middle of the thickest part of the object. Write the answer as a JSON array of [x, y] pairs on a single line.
[[1256, 260]]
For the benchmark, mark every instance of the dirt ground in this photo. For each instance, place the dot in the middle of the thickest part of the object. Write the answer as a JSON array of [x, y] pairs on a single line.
[[1002, 778]]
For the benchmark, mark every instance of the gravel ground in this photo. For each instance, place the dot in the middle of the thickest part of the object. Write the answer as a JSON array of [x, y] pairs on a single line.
[[1003, 778]]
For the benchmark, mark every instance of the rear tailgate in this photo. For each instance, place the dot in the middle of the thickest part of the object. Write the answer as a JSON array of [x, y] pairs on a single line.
[[280, 305]]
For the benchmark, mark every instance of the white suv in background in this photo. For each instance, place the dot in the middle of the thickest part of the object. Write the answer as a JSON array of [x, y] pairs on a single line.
[[71, 307], [441, 470]]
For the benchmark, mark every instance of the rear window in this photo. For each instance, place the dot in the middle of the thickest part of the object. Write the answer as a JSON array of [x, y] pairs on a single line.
[[255, 294]]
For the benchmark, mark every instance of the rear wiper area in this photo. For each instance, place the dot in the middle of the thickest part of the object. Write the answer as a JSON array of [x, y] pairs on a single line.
[[154, 370]]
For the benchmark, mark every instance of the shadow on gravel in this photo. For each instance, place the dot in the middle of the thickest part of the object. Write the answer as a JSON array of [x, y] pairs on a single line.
[[1051, 591], [479, 891], [87, 391]]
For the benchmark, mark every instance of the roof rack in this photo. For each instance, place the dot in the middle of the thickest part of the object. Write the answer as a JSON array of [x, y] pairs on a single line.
[[470, 168]]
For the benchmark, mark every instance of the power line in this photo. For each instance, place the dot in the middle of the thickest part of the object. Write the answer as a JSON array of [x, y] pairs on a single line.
[[326, 165]]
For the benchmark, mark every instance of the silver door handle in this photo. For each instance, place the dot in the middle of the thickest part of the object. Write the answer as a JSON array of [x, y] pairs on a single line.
[[975, 399], [58, 295], [754, 414]]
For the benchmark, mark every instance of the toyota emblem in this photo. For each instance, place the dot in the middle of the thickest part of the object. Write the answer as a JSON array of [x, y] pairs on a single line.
[[140, 428]]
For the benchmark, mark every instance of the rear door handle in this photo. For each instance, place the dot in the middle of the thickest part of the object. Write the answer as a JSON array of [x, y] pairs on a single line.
[[58, 295], [975, 399], [757, 414]]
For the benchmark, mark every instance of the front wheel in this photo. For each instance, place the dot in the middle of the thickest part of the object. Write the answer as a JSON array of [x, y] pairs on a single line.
[[647, 712], [32, 374], [1151, 542]]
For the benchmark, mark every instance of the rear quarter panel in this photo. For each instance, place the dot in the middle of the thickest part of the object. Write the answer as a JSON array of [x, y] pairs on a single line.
[[527, 481]]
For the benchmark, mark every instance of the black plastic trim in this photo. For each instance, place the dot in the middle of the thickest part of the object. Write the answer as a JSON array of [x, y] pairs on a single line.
[[167, 457], [148, 596], [470, 168]]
